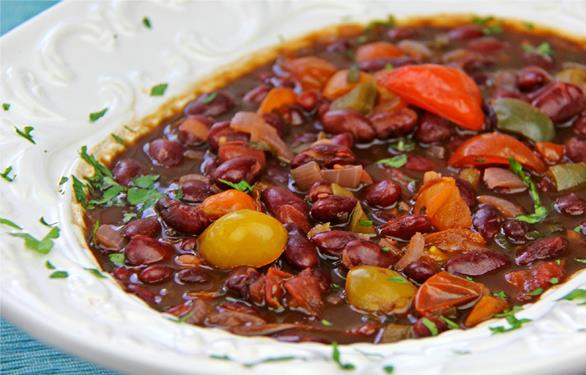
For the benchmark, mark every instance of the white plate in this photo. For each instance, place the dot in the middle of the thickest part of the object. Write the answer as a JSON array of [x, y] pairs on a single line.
[[82, 56]]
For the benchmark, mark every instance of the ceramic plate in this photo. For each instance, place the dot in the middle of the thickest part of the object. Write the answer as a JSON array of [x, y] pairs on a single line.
[[82, 56]]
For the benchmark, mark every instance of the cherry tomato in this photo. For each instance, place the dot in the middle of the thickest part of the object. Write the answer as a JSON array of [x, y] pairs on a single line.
[[312, 72], [339, 84], [443, 291], [377, 51], [494, 148], [443, 204], [277, 98], [447, 92], [227, 201]]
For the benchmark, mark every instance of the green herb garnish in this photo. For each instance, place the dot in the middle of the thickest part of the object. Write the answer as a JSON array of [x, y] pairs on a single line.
[[159, 90], [336, 358], [42, 246], [543, 49], [529, 25], [326, 323], [580, 260], [96, 273], [536, 292], [540, 212], [6, 174], [9, 223], [450, 323], [365, 223], [49, 265], [95, 116], [210, 97], [389, 369], [362, 39], [144, 193], [492, 30], [63, 180], [240, 186], [147, 22], [394, 162], [128, 216], [397, 279], [501, 294], [512, 320], [26, 133], [45, 223], [388, 23], [482, 21], [403, 145], [386, 249], [430, 326], [117, 258], [578, 229], [118, 139], [59, 275], [554, 280], [6, 106], [574, 295]]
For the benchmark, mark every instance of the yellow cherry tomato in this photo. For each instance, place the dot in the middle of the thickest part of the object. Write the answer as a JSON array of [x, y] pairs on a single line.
[[379, 289], [243, 238]]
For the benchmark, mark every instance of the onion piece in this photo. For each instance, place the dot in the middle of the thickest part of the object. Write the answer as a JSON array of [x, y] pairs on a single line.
[[261, 133], [195, 128], [306, 175], [348, 176], [456, 239], [505, 207], [503, 180], [413, 251], [109, 238]]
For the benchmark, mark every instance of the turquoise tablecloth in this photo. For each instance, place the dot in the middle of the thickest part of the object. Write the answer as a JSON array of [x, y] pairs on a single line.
[[20, 353]]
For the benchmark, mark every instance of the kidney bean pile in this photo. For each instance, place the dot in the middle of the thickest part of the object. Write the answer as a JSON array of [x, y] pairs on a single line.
[[385, 183]]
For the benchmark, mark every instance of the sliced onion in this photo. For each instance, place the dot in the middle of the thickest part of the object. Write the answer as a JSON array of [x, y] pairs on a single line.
[[348, 176], [413, 251], [319, 228], [195, 128], [456, 239], [306, 175], [503, 180], [508, 209], [261, 132], [109, 238], [193, 177]]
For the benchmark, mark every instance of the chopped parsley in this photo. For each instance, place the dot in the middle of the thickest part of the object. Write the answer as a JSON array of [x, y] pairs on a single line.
[[59, 275], [96, 273], [118, 139], [9, 223], [63, 180], [536, 292], [578, 229], [450, 323], [500, 294], [353, 74], [388, 23], [159, 90], [243, 185], [147, 22], [403, 145], [430, 326], [117, 258], [529, 25], [6, 174], [326, 323], [26, 133], [576, 295], [394, 162], [512, 320], [492, 30], [543, 49], [386, 249], [144, 192], [482, 21], [540, 212], [210, 97], [95, 116], [79, 191], [6, 106], [49, 265], [365, 223], [129, 129], [45, 223], [389, 369], [42, 246], [397, 279], [128, 216], [580, 260], [554, 280], [336, 358], [179, 194]]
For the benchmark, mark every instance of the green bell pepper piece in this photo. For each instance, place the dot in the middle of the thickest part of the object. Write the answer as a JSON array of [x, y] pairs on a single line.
[[361, 98], [568, 176], [516, 116]]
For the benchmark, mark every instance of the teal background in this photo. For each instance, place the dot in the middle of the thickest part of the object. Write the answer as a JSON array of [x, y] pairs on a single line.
[[19, 352]]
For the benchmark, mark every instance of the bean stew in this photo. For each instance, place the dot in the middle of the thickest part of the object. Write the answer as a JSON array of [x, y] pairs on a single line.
[[386, 183]]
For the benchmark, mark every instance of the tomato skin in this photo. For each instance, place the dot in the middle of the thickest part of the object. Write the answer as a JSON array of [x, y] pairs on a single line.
[[277, 98], [312, 72], [443, 291], [377, 51], [445, 91], [494, 148]]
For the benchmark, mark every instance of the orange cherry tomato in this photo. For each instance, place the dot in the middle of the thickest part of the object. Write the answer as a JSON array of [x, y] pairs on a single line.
[[486, 308], [377, 51], [447, 92], [312, 72], [218, 205], [277, 98], [494, 148], [443, 291], [339, 85], [443, 204], [552, 153]]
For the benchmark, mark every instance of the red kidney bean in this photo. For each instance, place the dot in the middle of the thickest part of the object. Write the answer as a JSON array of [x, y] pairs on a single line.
[[233, 150], [126, 170], [515, 231], [256, 95], [467, 192], [487, 220], [399, 33], [433, 129], [383, 193], [274, 120], [233, 319], [333, 242], [394, 124], [467, 60], [379, 64], [579, 125], [194, 275], [194, 189], [182, 217], [277, 172], [406, 226], [486, 44], [244, 168], [344, 139], [319, 190], [122, 274], [348, 121], [188, 245], [210, 104], [300, 252], [570, 205], [325, 154], [421, 330], [145, 250], [293, 115], [366, 253], [277, 196], [531, 78], [240, 279], [576, 149], [288, 214], [235, 306], [466, 32], [108, 238], [419, 163], [333, 208], [545, 248], [308, 100], [476, 263], [165, 152], [420, 270], [143, 293], [221, 132], [543, 61], [500, 93], [149, 226], [155, 274], [560, 101]]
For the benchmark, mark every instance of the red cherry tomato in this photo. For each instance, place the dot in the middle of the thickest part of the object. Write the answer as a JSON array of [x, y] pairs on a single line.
[[447, 92], [494, 148], [443, 291]]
